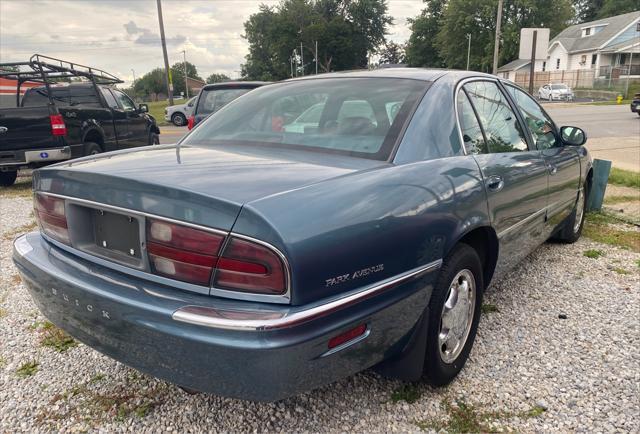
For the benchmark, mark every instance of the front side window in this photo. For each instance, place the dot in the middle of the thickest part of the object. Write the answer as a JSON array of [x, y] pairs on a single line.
[[471, 132], [540, 126], [213, 100], [499, 122], [124, 101], [361, 117]]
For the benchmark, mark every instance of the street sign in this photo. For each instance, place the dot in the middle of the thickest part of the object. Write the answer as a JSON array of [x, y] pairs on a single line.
[[526, 43]]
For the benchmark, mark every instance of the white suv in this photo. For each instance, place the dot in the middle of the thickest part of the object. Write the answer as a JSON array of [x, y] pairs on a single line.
[[179, 113]]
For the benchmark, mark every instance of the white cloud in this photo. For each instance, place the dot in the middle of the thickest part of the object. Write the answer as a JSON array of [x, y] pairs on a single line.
[[121, 35]]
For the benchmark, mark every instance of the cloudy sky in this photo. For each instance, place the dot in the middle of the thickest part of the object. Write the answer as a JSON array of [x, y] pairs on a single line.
[[121, 35]]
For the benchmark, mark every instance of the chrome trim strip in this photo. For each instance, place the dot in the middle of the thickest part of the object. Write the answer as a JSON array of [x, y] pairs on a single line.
[[131, 211], [272, 320], [347, 344], [284, 298], [522, 222]]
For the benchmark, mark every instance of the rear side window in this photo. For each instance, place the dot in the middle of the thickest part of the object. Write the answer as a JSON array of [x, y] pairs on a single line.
[[499, 122], [213, 100], [539, 124], [471, 132], [108, 96]]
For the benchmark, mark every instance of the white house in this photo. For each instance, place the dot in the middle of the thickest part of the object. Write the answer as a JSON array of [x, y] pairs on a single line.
[[608, 46]]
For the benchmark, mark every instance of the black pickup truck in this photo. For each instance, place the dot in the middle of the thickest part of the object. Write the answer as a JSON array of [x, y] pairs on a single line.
[[57, 121]]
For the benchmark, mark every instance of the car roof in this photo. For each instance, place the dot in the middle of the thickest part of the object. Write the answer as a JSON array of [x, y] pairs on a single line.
[[424, 74], [240, 84]]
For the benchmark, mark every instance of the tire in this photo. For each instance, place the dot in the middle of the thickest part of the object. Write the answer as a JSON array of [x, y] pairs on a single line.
[[572, 227], [178, 119], [7, 179], [443, 361], [91, 148], [154, 138]]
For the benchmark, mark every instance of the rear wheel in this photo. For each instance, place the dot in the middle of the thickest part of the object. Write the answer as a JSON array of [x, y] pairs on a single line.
[[572, 228], [7, 179], [91, 148], [178, 119], [454, 314]]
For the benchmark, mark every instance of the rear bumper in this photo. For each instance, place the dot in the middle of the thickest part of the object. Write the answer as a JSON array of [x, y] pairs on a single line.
[[33, 158], [133, 321]]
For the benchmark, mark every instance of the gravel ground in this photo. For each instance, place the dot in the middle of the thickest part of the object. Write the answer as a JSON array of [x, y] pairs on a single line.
[[557, 350]]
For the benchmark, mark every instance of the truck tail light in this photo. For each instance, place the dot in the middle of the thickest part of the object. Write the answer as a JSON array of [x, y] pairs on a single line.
[[250, 267], [51, 217], [191, 122], [58, 127], [181, 252]]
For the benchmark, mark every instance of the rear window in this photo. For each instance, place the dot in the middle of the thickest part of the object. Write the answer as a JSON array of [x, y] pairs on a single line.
[[213, 100], [360, 117], [62, 96]]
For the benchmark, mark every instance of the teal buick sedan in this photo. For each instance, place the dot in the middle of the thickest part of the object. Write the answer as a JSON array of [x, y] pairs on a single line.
[[308, 230]]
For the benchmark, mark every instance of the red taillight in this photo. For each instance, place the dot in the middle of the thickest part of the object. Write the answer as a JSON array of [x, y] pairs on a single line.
[[250, 267], [51, 217], [191, 122], [181, 252], [58, 128], [347, 336]]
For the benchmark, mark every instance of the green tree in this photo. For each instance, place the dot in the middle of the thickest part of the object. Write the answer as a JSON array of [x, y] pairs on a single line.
[[586, 10], [177, 76], [347, 32], [477, 18], [421, 48], [217, 78], [151, 84], [612, 8], [392, 53]]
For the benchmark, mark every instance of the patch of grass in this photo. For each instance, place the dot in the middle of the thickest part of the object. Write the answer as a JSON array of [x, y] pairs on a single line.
[[466, 418], [27, 227], [612, 200], [612, 102], [16, 279], [28, 369], [593, 253], [624, 177], [156, 109], [620, 270], [56, 338], [598, 227], [3, 362], [22, 188], [638, 263], [407, 392], [3, 312], [489, 308]]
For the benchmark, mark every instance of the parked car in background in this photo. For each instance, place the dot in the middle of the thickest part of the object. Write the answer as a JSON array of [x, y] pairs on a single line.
[[60, 121], [179, 113], [255, 261], [635, 104], [555, 92], [213, 97]]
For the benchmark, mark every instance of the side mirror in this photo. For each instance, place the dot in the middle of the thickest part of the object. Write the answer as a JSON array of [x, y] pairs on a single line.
[[573, 136], [143, 108]]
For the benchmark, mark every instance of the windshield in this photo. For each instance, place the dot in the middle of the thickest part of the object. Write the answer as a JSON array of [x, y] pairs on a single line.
[[213, 100], [558, 86], [355, 116]]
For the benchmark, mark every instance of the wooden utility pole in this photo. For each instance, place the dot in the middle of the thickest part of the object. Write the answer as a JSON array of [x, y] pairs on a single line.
[[167, 72], [496, 45]]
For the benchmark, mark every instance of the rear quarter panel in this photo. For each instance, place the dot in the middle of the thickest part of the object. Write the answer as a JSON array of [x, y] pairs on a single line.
[[369, 225]]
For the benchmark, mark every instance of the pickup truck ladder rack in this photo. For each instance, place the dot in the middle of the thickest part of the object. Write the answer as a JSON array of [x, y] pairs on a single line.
[[45, 70]]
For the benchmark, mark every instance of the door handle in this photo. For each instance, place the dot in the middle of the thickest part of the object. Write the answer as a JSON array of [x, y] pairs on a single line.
[[495, 183], [553, 169]]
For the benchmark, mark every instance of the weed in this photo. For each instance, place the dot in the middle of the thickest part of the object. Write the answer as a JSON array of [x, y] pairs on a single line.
[[620, 270], [22, 188], [612, 200], [593, 253], [16, 279], [58, 339], [624, 177], [3, 312], [598, 227], [27, 227], [408, 392], [28, 369], [489, 308]]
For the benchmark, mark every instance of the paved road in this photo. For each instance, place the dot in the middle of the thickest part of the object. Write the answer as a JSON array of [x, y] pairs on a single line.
[[597, 121], [613, 131]]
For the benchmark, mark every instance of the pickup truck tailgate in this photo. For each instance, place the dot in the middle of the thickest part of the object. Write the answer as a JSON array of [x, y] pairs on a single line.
[[23, 128]]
